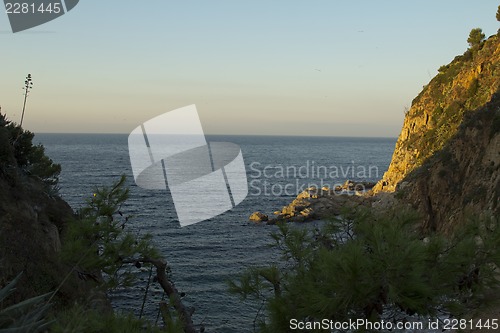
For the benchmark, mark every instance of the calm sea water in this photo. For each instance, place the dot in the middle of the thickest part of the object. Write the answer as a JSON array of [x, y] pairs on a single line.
[[204, 256]]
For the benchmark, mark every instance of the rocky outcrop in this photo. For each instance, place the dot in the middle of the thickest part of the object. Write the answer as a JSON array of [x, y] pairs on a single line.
[[258, 217], [460, 88], [320, 203], [359, 187], [30, 226], [315, 204]]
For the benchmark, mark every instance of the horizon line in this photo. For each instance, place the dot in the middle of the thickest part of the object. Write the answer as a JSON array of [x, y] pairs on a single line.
[[213, 134]]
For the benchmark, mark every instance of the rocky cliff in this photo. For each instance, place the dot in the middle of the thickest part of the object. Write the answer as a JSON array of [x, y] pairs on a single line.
[[32, 217], [463, 178], [447, 158], [30, 225], [460, 88]]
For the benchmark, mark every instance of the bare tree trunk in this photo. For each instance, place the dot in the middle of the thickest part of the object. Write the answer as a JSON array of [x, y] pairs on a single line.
[[171, 291]]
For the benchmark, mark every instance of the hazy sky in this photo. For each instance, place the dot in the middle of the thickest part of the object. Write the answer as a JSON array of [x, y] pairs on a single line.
[[339, 68]]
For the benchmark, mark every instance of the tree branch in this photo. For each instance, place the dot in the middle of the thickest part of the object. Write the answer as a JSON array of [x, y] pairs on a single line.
[[170, 290]]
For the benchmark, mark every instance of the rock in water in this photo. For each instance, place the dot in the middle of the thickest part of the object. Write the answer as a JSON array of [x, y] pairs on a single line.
[[258, 217]]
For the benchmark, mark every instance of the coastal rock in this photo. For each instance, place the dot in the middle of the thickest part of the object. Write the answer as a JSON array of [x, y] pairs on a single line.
[[315, 204], [355, 186], [258, 217], [462, 179], [53, 241], [30, 237]]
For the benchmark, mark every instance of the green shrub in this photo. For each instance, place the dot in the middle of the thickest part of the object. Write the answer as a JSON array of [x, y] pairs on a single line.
[[18, 154], [98, 243], [99, 249], [473, 88], [476, 37], [443, 69], [366, 265], [468, 55], [436, 115]]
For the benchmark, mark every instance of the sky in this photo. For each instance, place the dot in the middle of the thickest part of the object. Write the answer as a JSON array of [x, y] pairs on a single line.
[[260, 67]]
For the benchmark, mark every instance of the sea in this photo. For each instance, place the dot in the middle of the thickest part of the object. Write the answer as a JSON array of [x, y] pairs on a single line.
[[203, 256]]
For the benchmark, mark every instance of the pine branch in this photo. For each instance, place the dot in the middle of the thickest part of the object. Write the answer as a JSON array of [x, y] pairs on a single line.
[[171, 291]]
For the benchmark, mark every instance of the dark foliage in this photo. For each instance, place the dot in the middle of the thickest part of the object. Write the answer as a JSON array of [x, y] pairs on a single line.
[[20, 157]]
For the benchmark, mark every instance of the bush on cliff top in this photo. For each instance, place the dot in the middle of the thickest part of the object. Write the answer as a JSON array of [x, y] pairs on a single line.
[[19, 155]]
